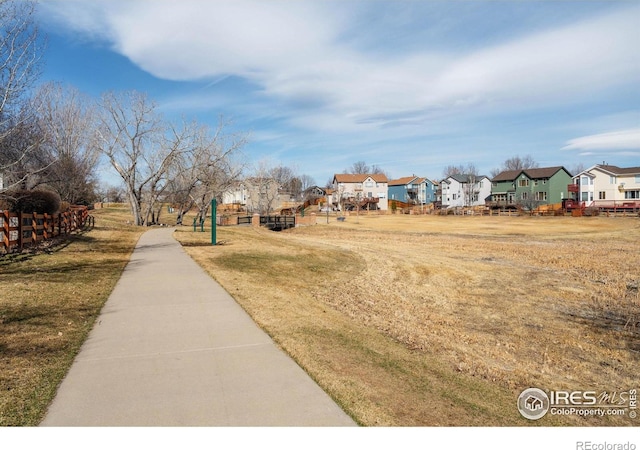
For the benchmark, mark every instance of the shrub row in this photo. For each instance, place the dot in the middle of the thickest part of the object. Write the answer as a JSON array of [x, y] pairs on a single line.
[[41, 202]]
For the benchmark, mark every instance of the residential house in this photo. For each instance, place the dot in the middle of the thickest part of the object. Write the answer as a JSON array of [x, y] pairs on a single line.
[[606, 185], [369, 191], [257, 195], [459, 190], [412, 190], [530, 187], [316, 195]]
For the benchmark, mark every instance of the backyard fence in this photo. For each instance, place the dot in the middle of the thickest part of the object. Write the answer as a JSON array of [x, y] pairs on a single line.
[[20, 230]]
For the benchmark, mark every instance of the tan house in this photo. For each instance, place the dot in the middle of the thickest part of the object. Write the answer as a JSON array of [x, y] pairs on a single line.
[[254, 195], [604, 185], [368, 191]]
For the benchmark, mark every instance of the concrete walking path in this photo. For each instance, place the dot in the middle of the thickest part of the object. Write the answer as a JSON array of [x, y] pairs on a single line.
[[172, 348]]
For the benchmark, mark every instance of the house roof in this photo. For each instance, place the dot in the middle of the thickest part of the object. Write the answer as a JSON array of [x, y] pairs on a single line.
[[465, 177], [407, 180], [507, 175], [316, 188], [538, 173], [617, 170], [360, 177]]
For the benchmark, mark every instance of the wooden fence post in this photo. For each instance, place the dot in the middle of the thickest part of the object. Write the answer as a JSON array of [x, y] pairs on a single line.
[[34, 228], [4, 229]]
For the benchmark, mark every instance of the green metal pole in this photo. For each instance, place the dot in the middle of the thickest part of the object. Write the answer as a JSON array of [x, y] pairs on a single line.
[[213, 221]]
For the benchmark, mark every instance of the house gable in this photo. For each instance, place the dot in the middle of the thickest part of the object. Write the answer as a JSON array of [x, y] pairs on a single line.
[[368, 185], [412, 189], [604, 183], [465, 190], [351, 178], [543, 185]]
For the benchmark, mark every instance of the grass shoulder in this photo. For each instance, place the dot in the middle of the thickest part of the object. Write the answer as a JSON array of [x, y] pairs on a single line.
[[49, 303]]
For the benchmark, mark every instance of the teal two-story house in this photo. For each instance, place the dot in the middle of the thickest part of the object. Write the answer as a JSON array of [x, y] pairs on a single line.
[[527, 187], [412, 190]]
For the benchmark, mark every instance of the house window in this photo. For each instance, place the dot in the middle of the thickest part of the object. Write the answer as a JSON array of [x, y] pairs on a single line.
[[584, 181], [584, 196], [544, 181], [535, 182], [541, 196], [494, 184], [523, 196], [523, 182], [368, 184], [632, 195], [637, 180], [454, 196], [602, 195], [612, 179]]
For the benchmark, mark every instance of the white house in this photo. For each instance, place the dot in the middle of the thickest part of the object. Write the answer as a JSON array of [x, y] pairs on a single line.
[[367, 190], [465, 190], [605, 185]]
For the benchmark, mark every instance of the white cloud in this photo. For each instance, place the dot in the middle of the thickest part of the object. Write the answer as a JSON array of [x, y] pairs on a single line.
[[613, 141], [193, 39], [295, 53]]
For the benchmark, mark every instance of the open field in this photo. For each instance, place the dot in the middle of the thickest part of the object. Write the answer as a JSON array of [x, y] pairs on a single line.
[[404, 320], [48, 304], [436, 320]]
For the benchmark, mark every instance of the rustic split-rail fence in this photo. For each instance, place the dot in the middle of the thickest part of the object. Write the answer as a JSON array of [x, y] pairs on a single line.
[[21, 230]]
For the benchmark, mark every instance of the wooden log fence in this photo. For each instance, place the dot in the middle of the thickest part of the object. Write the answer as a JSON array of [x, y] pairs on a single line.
[[21, 230]]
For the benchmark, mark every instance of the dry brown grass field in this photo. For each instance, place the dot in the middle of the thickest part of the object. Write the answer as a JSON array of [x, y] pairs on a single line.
[[48, 305], [441, 320]]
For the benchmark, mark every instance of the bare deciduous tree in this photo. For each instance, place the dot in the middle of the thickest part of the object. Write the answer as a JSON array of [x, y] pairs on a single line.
[[468, 177], [519, 163], [471, 187], [20, 156], [452, 170], [140, 146], [306, 181], [67, 120], [516, 163], [211, 165], [111, 194], [265, 188], [577, 168], [361, 167], [20, 54]]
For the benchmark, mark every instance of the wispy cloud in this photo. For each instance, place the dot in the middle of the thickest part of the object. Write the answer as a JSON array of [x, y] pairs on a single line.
[[614, 141], [441, 80], [296, 53]]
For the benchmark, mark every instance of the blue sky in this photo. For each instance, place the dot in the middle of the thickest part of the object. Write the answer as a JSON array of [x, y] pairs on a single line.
[[411, 86]]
